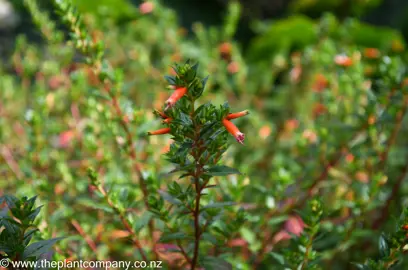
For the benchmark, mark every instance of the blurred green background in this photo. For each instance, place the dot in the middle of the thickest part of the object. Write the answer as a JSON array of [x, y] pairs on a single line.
[[325, 81], [390, 13]]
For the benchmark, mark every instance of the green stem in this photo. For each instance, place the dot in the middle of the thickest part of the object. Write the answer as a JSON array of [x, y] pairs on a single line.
[[308, 249]]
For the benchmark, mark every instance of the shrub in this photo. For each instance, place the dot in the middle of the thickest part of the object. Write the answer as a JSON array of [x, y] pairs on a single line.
[[321, 174]]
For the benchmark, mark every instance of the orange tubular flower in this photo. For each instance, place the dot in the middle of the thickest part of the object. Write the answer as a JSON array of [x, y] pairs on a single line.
[[177, 94], [159, 131], [237, 115], [231, 128]]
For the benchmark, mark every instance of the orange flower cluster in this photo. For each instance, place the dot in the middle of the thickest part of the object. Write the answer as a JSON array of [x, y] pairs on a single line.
[[178, 93], [166, 120]]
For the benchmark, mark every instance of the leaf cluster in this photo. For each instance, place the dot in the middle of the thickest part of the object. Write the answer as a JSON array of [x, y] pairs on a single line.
[[17, 229]]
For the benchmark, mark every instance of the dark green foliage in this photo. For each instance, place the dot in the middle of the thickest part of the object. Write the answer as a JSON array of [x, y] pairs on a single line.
[[199, 142], [17, 229], [322, 172], [391, 247]]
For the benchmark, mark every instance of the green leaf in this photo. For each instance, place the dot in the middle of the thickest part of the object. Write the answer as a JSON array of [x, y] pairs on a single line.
[[31, 202], [210, 238], [195, 67], [184, 119], [208, 129], [215, 263], [10, 200], [248, 235], [5, 248], [39, 248], [383, 246], [168, 237], [143, 221], [182, 168], [219, 205], [94, 205], [170, 79], [215, 135], [12, 227], [28, 235], [169, 198], [204, 81], [278, 257], [277, 220], [221, 170], [184, 175], [34, 213]]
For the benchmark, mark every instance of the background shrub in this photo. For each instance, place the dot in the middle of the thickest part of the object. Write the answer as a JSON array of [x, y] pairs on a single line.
[[324, 160]]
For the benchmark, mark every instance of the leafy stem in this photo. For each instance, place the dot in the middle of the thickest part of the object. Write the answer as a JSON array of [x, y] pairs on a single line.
[[108, 80], [118, 211], [309, 248], [198, 188], [199, 142]]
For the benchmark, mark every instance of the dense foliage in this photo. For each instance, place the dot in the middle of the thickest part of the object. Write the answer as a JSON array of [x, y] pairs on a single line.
[[317, 184]]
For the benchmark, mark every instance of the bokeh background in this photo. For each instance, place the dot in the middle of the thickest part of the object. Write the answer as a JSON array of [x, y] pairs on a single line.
[[325, 81], [391, 13]]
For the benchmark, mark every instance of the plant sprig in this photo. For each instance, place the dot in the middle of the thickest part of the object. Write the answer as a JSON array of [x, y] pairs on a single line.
[[200, 138]]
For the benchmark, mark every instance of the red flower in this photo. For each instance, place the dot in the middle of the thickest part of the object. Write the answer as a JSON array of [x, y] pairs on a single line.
[[237, 115], [159, 131], [231, 128], [177, 94]]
